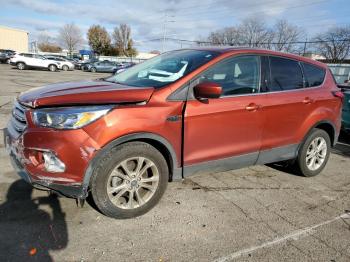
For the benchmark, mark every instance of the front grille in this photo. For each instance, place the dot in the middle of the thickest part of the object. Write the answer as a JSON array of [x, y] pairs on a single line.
[[18, 122]]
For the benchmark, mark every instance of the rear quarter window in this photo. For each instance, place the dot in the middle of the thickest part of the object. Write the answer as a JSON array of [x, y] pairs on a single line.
[[314, 75]]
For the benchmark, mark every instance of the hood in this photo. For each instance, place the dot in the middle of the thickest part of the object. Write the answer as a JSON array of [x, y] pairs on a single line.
[[84, 92]]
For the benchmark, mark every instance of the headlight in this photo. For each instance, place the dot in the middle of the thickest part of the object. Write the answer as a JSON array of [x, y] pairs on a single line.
[[69, 117]]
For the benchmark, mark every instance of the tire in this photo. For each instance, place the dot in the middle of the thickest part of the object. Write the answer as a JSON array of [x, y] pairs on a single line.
[[309, 154], [7, 61], [52, 68], [93, 70], [21, 66], [65, 68], [110, 173]]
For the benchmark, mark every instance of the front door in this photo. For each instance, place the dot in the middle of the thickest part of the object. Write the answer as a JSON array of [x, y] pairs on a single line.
[[225, 133]]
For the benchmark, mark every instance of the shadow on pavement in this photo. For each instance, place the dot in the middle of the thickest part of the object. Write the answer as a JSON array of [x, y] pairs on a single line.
[[28, 233], [343, 145]]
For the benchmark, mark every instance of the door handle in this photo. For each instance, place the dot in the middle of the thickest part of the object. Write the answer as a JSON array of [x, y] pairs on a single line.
[[307, 100], [252, 107]]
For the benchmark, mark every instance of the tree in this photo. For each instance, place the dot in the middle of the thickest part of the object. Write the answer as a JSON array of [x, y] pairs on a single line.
[[46, 44], [331, 44], [52, 48], [99, 39], [253, 32], [226, 36], [123, 42], [70, 36], [284, 34]]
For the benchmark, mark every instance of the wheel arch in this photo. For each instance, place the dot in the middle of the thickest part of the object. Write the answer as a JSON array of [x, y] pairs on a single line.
[[51, 65], [159, 142], [327, 126]]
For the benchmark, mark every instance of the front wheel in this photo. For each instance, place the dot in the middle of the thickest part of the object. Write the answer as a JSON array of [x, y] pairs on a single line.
[[65, 68], [129, 180], [93, 70], [314, 153]]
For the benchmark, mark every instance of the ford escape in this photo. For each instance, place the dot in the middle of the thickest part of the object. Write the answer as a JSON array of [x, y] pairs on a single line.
[[123, 138]]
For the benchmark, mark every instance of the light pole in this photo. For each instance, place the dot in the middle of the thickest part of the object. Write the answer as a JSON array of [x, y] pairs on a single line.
[[166, 17]]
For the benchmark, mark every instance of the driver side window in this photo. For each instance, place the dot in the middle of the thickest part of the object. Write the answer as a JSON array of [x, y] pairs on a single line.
[[236, 75]]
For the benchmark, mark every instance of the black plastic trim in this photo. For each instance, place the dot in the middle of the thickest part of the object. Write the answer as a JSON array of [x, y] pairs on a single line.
[[176, 172]]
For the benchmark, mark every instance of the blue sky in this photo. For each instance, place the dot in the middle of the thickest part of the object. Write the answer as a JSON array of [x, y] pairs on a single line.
[[189, 19]]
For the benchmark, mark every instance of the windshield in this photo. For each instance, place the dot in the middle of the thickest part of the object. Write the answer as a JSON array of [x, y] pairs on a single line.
[[163, 69]]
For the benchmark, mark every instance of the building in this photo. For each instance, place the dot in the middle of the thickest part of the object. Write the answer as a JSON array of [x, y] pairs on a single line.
[[14, 39]]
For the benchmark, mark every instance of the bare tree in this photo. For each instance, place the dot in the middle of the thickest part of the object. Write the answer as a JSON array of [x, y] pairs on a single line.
[[99, 39], [227, 36], [284, 36], [70, 36], [254, 33], [334, 44], [123, 41]]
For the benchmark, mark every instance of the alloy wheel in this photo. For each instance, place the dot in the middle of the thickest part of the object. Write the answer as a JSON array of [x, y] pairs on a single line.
[[132, 183], [20, 66], [316, 153], [52, 68]]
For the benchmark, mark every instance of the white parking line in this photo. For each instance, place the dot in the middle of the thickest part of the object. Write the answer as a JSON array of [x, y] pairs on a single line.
[[294, 235]]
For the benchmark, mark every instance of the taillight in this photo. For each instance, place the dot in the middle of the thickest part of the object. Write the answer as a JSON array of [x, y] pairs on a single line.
[[338, 94]]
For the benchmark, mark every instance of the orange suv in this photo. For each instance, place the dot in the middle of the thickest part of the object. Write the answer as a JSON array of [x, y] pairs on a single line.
[[123, 138]]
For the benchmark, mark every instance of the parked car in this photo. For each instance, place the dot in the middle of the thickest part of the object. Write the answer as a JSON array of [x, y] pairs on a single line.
[[6, 55], [124, 137], [81, 64], [346, 107], [123, 66], [26, 61], [63, 64], [101, 66]]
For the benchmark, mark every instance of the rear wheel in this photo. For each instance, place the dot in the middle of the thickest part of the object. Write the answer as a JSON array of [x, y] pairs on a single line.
[[65, 68], [21, 66], [52, 68], [314, 153], [129, 180]]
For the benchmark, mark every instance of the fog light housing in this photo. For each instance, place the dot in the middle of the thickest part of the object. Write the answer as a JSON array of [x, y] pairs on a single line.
[[52, 163]]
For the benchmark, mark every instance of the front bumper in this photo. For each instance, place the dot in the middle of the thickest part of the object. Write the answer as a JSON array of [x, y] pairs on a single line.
[[65, 184]]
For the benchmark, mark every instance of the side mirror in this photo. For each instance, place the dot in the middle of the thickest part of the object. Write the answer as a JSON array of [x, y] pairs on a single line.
[[207, 90]]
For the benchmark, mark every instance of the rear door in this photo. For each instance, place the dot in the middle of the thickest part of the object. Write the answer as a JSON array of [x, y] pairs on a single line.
[[287, 106], [29, 59], [230, 126], [39, 61]]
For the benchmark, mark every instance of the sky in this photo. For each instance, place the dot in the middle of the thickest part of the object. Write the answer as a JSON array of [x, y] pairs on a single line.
[[185, 19]]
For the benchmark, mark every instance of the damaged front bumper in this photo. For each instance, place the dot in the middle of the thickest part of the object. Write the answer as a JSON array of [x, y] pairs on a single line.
[[65, 184], [67, 190]]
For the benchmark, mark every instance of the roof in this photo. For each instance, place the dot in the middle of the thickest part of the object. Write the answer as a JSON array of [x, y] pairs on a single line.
[[13, 29], [231, 50]]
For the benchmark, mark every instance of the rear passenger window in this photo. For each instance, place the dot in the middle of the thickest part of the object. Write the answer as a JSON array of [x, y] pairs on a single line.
[[314, 75], [285, 74]]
